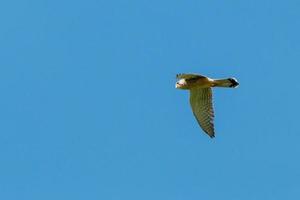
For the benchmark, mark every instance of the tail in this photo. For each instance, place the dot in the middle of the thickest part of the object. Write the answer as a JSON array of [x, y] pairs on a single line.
[[229, 82]]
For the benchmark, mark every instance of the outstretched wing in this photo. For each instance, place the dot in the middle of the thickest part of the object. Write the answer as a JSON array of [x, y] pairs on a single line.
[[188, 76], [201, 103]]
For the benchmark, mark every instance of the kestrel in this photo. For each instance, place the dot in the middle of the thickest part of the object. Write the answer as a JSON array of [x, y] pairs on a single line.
[[201, 97]]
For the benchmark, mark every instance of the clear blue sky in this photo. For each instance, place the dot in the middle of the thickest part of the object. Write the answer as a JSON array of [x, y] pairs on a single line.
[[88, 107]]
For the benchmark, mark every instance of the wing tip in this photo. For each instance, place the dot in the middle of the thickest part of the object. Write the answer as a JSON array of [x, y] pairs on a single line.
[[211, 134]]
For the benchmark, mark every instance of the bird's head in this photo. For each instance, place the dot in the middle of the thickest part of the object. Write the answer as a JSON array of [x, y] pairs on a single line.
[[181, 84]]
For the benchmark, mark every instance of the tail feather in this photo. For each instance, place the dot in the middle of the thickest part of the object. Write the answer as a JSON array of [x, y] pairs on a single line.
[[229, 82]]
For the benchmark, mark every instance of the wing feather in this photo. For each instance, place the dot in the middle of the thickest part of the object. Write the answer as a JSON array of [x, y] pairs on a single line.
[[201, 103]]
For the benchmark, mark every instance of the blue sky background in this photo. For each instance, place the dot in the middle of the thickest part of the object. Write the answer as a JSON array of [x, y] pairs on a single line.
[[89, 109]]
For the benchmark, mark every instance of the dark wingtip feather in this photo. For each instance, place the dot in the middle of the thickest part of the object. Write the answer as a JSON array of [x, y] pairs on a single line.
[[233, 82]]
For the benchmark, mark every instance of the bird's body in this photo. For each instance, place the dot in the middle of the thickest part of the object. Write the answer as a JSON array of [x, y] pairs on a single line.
[[201, 96]]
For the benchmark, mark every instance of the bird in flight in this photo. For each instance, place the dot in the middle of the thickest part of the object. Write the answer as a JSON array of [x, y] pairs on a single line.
[[201, 97]]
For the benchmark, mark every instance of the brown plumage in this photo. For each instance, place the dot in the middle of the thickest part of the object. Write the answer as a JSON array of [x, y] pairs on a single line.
[[201, 97]]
